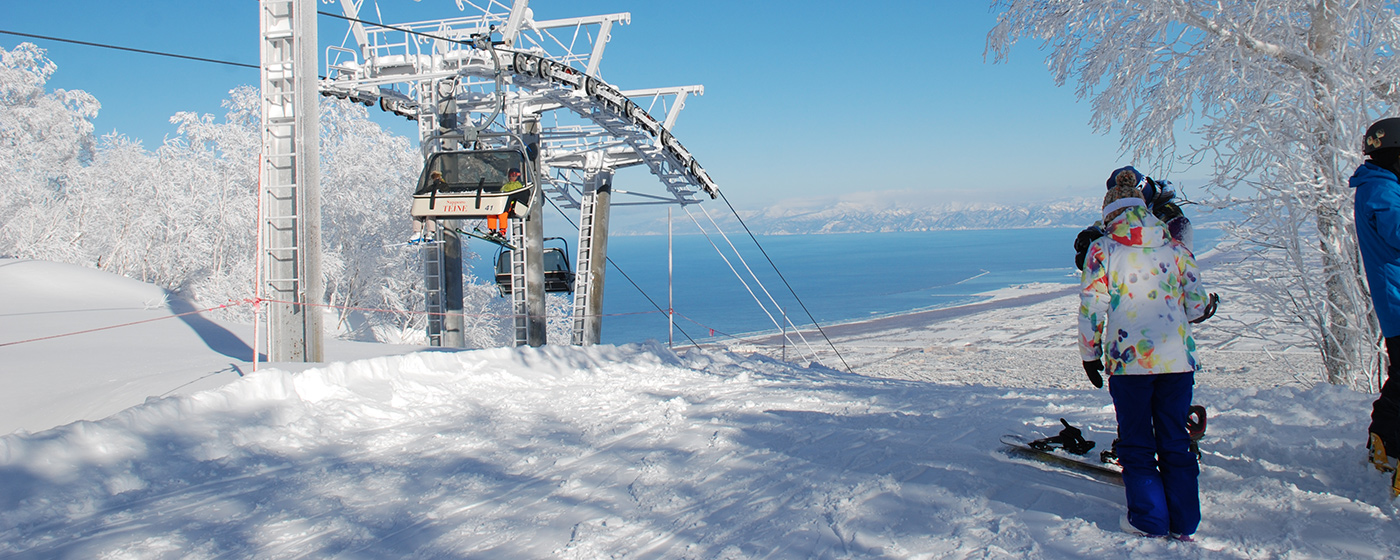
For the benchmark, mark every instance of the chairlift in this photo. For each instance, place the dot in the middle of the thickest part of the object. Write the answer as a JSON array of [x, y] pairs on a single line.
[[471, 183], [558, 274]]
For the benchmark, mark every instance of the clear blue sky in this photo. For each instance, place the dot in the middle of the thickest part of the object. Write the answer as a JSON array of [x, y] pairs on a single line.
[[802, 98]]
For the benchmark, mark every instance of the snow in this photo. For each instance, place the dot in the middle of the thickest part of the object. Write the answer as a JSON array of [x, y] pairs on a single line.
[[615, 451]]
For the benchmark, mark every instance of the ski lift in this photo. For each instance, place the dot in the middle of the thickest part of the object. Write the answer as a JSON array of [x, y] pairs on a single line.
[[468, 184], [558, 275]]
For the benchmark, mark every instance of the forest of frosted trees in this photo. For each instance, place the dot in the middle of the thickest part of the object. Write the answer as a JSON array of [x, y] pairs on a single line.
[[182, 215]]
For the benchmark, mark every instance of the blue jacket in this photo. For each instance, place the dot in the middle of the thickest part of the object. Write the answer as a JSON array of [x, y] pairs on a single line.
[[1378, 233]]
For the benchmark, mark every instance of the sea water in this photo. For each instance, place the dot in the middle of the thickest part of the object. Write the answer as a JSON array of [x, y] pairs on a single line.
[[830, 278]]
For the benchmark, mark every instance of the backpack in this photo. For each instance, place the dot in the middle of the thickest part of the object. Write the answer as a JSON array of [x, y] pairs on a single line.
[[1162, 206]]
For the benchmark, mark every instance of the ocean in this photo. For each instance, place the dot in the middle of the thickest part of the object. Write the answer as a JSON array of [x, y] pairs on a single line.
[[837, 277]]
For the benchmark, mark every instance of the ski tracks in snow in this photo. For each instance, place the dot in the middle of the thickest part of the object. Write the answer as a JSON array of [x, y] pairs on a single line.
[[635, 451]]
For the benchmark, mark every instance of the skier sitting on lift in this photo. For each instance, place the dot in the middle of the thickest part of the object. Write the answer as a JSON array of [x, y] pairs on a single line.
[[423, 227], [496, 224]]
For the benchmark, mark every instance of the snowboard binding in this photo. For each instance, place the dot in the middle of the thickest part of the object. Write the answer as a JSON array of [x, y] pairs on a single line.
[[1070, 439], [1195, 427]]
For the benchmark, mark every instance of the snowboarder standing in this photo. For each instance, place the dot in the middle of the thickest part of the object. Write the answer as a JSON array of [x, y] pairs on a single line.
[[1377, 217], [1140, 290]]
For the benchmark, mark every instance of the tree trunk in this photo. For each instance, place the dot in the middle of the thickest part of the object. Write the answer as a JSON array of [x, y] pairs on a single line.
[[1348, 330]]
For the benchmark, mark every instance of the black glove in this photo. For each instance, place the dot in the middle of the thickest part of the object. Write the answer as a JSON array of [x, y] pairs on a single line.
[[1082, 242], [1210, 309], [1092, 369]]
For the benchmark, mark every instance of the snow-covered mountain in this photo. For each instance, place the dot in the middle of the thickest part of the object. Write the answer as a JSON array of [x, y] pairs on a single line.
[[847, 216]]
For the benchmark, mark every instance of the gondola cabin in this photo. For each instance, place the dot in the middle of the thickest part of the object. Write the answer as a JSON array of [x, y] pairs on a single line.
[[558, 275], [473, 184]]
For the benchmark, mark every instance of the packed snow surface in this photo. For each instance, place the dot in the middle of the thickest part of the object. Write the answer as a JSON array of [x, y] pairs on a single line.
[[637, 451]]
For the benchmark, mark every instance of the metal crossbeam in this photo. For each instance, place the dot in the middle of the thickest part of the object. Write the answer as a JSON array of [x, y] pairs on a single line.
[[536, 67]]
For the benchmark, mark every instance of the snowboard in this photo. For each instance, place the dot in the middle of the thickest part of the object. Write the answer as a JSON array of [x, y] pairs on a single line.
[[1020, 446], [1070, 450]]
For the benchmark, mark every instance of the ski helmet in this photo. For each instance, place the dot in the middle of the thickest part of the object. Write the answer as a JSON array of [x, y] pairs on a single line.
[[1384, 133]]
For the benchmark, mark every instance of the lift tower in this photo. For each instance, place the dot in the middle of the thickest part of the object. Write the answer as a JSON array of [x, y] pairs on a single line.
[[518, 83], [289, 216]]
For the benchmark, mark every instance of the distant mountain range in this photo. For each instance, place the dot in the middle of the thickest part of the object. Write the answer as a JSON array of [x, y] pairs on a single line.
[[866, 217]]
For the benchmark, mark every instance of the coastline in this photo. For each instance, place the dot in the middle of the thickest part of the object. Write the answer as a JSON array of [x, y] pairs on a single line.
[[997, 299], [1024, 336]]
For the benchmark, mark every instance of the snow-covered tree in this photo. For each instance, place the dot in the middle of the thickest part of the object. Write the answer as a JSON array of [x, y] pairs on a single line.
[[1279, 94], [45, 138], [183, 216]]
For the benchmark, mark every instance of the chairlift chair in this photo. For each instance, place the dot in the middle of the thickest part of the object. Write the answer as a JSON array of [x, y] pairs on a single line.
[[558, 274], [471, 185]]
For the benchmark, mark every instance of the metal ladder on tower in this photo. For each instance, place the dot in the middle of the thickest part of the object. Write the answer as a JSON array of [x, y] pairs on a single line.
[[432, 290], [583, 265], [280, 218], [519, 303]]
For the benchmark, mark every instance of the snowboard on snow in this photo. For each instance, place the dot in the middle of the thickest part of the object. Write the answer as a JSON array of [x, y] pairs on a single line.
[[1070, 450], [1059, 457]]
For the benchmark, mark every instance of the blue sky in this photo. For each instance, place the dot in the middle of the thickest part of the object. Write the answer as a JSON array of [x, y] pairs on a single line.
[[802, 99]]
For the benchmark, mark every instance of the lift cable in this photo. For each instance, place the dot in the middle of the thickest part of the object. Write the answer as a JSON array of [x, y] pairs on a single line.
[[623, 272], [785, 282], [756, 281], [142, 51]]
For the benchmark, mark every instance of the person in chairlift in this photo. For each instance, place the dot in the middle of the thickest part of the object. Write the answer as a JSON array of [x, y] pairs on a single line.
[[423, 227], [497, 223]]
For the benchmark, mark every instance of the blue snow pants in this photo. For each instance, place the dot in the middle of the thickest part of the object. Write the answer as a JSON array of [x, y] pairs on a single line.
[[1159, 469]]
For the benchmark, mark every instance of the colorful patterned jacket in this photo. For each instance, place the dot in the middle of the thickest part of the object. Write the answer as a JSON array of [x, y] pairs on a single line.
[[1138, 292]]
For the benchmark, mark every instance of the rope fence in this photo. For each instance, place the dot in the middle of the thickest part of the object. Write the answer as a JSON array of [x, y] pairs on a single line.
[[259, 301]]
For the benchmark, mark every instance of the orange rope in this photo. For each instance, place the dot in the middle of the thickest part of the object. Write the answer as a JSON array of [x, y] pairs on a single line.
[[229, 304], [255, 301]]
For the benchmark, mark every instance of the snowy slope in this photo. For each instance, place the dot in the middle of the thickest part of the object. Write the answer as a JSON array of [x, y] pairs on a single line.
[[53, 376], [639, 452]]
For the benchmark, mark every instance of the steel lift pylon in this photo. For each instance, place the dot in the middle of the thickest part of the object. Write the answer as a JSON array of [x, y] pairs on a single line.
[[533, 85]]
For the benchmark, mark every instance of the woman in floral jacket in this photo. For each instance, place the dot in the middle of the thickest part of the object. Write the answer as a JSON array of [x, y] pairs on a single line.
[[1140, 291]]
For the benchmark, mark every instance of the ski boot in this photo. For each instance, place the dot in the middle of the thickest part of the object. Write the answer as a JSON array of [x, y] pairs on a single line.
[[1070, 439], [1382, 462], [1378, 456]]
